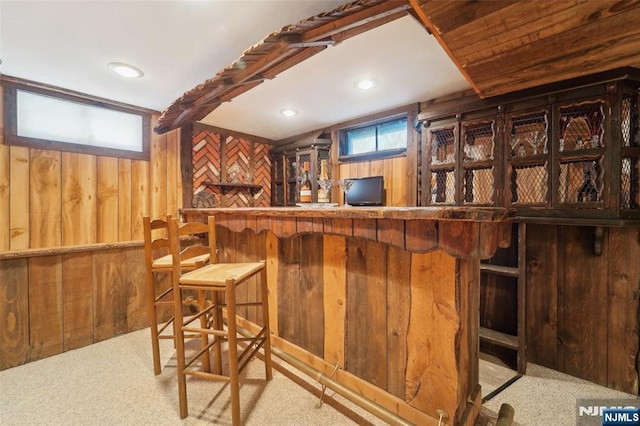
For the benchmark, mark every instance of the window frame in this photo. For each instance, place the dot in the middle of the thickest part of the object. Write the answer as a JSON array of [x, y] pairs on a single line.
[[377, 154], [11, 136]]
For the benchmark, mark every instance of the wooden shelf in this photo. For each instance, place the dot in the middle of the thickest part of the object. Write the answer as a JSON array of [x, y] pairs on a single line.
[[507, 271], [226, 187], [498, 338]]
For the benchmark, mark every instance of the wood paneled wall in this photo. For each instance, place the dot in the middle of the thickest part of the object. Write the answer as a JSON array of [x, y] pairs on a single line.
[[54, 295], [53, 198], [582, 309], [400, 173], [53, 303]]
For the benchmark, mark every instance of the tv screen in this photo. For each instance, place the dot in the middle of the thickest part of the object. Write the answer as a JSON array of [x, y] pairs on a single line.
[[368, 191]]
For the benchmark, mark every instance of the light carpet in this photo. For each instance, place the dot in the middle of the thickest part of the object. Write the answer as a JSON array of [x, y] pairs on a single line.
[[112, 383], [548, 397]]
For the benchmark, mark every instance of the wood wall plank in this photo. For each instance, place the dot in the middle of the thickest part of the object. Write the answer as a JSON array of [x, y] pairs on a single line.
[[1, 116], [45, 199], [78, 198], [334, 298], [582, 311], [273, 266], [289, 289], [14, 313], [107, 205], [366, 310], [77, 296], [398, 306], [173, 181], [433, 326], [124, 199], [158, 174], [135, 289], [5, 156], [311, 296], [109, 294], [18, 223], [623, 308], [542, 295], [45, 307], [140, 197]]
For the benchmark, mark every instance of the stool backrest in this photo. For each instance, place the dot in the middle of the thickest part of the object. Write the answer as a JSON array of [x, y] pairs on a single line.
[[152, 244], [200, 233]]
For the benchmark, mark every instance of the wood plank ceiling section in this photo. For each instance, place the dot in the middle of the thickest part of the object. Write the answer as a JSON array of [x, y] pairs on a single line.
[[278, 52], [508, 46]]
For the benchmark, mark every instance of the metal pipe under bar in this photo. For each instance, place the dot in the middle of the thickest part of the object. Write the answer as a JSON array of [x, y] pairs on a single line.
[[365, 403]]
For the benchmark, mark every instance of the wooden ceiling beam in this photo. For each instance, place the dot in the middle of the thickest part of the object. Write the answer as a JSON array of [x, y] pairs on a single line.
[[238, 90], [295, 41], [277, 53], [301, 55], [354, 20]]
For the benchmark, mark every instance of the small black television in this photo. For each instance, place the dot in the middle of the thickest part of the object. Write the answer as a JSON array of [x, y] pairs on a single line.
[[367, 191]]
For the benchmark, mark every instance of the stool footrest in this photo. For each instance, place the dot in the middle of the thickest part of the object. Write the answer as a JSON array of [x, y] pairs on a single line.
[[207, 375]]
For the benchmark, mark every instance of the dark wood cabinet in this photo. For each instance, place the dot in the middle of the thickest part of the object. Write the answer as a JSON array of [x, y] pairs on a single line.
[[460, 159], [556, 152], [287, 171]]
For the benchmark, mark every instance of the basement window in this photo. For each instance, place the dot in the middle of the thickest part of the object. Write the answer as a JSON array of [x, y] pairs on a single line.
[[43, 119], [382, 139]]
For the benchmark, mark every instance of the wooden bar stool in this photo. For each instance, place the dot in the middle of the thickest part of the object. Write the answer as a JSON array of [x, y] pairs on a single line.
[[156, 241], [220, 281]]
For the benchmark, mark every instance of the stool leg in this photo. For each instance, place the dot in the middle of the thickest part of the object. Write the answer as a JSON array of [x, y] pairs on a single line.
[[264, 294], [233, 352], [217, 325], [153, 325], [180, 356], [202, 305]]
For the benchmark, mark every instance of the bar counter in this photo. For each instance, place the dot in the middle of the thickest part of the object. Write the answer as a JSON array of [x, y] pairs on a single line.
[[461, 232], [385, 300]]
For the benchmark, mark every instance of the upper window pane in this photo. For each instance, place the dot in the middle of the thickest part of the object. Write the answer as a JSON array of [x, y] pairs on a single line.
[[375, 138], [361, 140], [392, 135], [55, 119]]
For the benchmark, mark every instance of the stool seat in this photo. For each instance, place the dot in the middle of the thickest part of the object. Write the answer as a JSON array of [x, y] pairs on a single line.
[[166, 262], [217, 274]]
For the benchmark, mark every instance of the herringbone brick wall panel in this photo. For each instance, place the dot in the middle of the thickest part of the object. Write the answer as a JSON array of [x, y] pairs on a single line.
[[207, 156], [206, 160], [262, 175]]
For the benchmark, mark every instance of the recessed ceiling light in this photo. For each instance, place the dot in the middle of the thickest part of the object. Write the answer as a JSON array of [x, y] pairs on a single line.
[[125, 70], [366, 83], [288, 112]]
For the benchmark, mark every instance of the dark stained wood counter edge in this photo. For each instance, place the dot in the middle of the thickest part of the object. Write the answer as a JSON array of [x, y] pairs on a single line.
[[461, 232], [405, 213]]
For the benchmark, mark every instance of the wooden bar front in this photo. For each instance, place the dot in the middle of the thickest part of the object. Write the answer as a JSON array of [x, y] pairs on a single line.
[[389, 295]]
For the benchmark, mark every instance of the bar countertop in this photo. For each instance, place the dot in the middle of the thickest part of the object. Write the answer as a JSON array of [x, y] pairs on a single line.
[[475, 214]]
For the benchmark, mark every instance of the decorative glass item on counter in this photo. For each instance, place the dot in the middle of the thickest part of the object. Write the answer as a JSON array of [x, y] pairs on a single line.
[[324, 184], [581, 126], [305, 185], [345, 184]]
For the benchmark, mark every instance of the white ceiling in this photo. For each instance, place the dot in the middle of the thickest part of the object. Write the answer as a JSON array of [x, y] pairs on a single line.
[[180, 44]]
